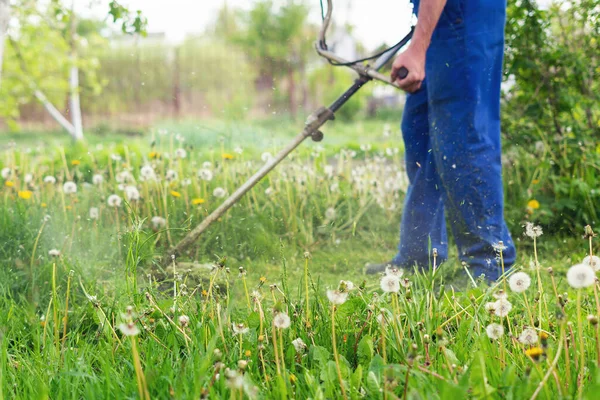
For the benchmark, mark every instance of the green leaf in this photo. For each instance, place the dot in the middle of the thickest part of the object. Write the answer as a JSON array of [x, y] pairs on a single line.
[[365, 350]]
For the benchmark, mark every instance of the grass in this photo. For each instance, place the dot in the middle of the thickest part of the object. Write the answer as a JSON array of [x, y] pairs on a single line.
[[101, 318]]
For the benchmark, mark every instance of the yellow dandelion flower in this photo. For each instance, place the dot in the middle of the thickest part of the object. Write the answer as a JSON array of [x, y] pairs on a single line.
[[9, 184], [197, 201], [543, 336], [175, 193], [263, 279], [153, 154], [204, 293], [535, 181], [68, 207], [292, 378], [248, 353], [25, 194], [227, 156], [533, 204], [44, 205], [75, 162], [534, 352]]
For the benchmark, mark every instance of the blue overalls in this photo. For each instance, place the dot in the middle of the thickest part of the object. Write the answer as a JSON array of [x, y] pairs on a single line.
[[451, 130]]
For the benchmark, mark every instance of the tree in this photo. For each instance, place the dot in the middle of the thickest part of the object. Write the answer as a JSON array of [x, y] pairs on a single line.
[[29, 62], [278, 40]]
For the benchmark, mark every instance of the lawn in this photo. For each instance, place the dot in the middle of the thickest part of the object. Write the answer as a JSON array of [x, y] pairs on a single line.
[[272, 301]]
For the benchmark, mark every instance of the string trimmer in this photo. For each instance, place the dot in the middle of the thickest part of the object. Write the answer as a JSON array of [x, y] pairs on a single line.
[[312, 126]]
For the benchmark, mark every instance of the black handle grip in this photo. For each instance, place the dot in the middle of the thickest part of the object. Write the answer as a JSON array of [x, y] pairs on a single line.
[[402, 73]]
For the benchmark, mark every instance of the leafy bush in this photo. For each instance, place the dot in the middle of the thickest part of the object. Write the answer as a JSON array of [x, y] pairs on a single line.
[[551, 115]]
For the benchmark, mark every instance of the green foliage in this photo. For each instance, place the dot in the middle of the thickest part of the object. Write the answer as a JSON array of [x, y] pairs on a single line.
[[551, 115]]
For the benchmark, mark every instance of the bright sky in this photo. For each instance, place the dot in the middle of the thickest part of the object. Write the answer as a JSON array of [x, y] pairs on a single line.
[[375, 21]]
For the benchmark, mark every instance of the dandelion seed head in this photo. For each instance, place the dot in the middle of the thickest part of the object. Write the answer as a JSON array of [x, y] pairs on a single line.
[[94, 213], [533, 231], [240, 328], [494, 331], [97, 179], [171, 175], [180, 153], [592, 262], [129, 329], [299, 345], [205, 174], [502, 307], [132, 193], [49, 179], [529, 336], [390, 284], [54, 253], [184, 321], [330, 214], [158, 222], [580, 276], [219, 192], [394, 271], [266, 157], [336, 297], [114, 200], [519, 282], [281, 320], [70, 187]]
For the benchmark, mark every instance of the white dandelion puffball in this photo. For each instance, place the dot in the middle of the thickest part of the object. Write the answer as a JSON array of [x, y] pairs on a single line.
[[494, 331], [97, 179], [219, 192], [330, 213], [129, 329], [171, 175], [519, 282], [592, 262], [49, 179], [334, 188], [147, 173], [6, 173], [180, 153], [238, 150], [132, 193], [240, 328], [347, 284], [390, 284], [266, 157], [114, 200], [394, 271], [158, 222], [532, 230], [581, 276], [528, 336], [28, 178], [490, 306], [336, 297], [282, 321], [269, 191], [124, 177], [70, 187], [207, 164], [299, 345], [184, 320], [186, 182], [502, 307], [54, 253], [205, 174], [94, 213]]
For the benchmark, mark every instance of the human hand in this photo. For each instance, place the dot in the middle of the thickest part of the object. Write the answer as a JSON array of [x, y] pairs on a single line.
[[413, 59]]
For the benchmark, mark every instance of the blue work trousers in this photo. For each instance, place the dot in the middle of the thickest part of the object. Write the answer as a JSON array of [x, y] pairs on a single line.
[[451, 131]]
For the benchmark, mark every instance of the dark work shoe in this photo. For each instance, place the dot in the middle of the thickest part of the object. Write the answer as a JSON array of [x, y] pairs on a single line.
[[374, 268]]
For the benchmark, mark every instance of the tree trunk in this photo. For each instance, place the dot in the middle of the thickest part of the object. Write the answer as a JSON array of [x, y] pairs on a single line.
[[39, 94], [74, 83], [4, 18]]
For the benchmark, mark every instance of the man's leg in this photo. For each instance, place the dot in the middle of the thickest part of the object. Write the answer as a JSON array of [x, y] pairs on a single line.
[[423, 225], [464, 74]]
